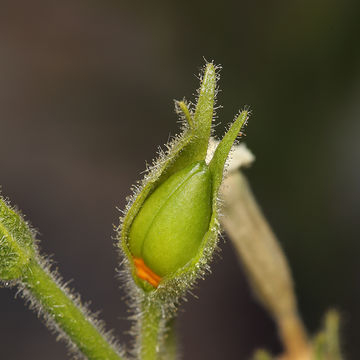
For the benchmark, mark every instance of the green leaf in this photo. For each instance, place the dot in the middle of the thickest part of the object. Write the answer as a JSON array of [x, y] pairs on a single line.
[[218, 160]]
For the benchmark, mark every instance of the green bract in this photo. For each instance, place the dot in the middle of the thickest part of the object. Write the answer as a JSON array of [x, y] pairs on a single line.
[[170, 227], [16, 243]]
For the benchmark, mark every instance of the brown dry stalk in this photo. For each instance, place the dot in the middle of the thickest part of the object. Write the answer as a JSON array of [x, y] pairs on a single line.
[[264, 262]]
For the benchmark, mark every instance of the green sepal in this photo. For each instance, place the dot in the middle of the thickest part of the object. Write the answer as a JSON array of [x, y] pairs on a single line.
[[262, 355], [199, 264], [183, 150], [218, 160], [16, 243], [201, 121], [326, 344]]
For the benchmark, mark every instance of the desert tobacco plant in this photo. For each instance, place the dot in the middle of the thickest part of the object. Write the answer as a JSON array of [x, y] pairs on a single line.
[[169, 231], [166, 238]]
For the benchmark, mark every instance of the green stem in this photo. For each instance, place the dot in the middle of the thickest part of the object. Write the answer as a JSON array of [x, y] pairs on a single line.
[[68, 316], [171, 342], [151, 325], [332, 335]]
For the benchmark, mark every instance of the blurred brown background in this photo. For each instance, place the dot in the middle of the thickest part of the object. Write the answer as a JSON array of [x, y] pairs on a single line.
[[86, 92]]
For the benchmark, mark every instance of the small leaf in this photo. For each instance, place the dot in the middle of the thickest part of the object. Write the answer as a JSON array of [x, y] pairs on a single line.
[[218, 160]]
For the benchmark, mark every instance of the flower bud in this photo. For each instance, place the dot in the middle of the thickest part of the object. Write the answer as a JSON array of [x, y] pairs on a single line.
[[170, 226], [169, 230]]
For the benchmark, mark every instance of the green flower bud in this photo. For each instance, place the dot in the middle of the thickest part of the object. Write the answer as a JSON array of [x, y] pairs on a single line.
[[16, 243], [169, 228]]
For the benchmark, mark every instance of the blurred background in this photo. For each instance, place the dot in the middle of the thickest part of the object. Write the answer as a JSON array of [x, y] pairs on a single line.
[[86, 96]]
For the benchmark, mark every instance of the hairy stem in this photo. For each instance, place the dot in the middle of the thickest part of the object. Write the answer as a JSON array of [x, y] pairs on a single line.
[[61, 309], [171, 342], [151, 327]]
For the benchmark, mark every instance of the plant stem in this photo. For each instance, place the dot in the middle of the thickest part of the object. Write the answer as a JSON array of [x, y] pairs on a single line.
[[60, 308], [171, 343], [265, 262], [151, 326], [332, 335]]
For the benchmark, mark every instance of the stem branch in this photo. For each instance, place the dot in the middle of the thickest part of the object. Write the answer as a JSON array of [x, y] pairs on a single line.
[[71, 319]]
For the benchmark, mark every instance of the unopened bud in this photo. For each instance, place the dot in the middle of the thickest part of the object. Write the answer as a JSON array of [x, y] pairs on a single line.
[[169, 228]]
